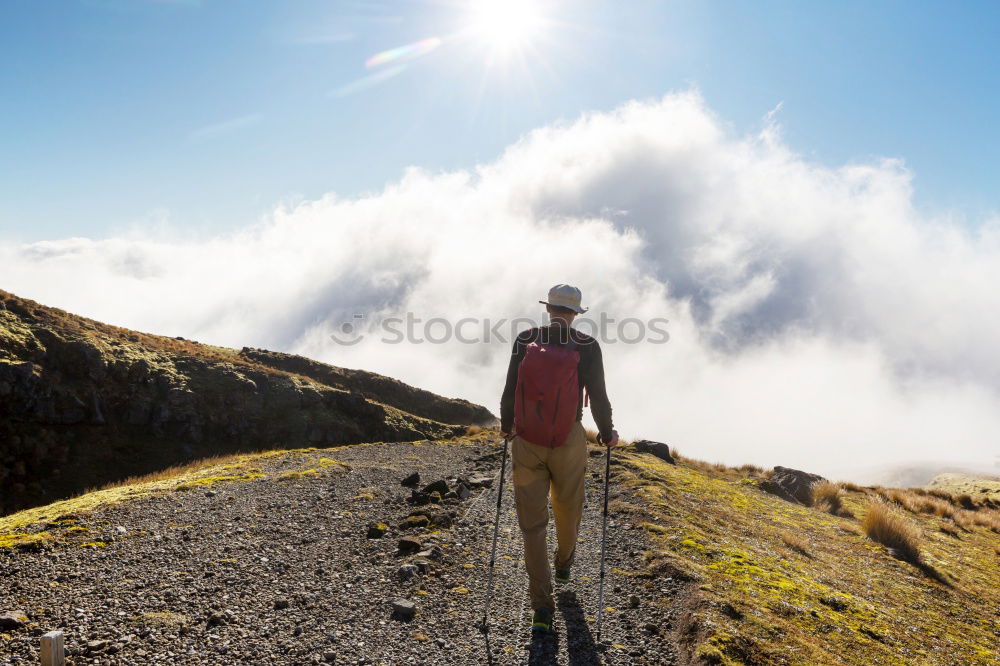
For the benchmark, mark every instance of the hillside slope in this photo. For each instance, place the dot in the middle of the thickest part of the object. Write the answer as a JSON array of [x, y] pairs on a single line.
[[83, 403], [783, 583], [269, 559], [979, 487]]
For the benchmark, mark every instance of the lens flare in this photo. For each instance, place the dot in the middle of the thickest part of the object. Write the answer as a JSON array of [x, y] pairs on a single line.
[[402, 54]]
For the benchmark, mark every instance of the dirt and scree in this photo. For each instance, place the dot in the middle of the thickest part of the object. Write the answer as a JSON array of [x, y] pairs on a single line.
[[306, 562]]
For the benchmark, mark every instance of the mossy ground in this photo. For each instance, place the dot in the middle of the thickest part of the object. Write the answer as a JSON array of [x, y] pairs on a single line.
[[843, 600]]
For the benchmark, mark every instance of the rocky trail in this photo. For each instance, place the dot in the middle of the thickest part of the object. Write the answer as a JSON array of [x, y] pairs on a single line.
[[329, 558]]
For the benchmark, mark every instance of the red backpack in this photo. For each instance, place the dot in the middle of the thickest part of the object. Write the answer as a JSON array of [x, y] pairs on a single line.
[[548, 391]]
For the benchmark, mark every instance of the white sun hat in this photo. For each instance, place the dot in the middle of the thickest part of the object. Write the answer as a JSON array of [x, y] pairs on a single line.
[[565, 296]]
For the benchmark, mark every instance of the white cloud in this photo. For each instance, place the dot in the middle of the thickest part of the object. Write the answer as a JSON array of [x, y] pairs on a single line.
[[816, 318]]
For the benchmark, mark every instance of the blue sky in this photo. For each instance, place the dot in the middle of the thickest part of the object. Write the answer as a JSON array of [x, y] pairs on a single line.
[[118, 113]]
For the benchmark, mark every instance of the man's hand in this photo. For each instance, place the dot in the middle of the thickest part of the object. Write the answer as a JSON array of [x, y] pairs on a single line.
[[613, 442]]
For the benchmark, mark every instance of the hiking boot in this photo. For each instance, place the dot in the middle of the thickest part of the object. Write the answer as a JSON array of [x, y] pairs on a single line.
[[542, 620], [562, 576]]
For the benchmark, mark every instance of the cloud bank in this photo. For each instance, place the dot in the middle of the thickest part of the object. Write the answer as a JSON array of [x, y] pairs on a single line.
[[816, 318]]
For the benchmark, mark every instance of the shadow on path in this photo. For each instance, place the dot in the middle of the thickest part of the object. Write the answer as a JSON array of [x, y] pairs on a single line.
[[544, 649], [580, 645]]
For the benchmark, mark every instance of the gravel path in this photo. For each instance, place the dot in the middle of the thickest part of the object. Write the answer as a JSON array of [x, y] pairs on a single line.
[[284, 572]]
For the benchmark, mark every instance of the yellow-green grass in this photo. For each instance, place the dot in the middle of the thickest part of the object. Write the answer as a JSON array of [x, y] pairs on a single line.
[[780, 583], [59, 520], [167, 619]]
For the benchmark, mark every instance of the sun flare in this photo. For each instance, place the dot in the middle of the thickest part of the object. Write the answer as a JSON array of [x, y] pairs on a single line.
[[505, 26]]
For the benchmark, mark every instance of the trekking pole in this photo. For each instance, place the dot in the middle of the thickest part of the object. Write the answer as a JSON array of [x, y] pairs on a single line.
[[604, 544], [484, 627]]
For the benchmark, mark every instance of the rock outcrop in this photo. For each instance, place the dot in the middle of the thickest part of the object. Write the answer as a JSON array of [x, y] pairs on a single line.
[[389, 391], [658, 449], [793, 485], [84, 403]]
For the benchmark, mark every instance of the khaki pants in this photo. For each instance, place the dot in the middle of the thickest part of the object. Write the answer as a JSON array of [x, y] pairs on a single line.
[[535, 469]]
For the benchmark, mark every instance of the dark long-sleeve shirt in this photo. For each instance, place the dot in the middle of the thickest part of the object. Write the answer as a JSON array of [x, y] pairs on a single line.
[[590, 372]]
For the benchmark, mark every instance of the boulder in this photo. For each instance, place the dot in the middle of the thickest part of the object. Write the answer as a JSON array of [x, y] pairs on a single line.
[[793, 485], [411, 480], [658, 449]]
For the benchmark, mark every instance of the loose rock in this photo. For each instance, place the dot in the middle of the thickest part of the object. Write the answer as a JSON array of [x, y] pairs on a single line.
[[481, 481], [13, 620], [407, 571], [409, 545], [96, 646], [404, 608], [440, 486], [413, 522]]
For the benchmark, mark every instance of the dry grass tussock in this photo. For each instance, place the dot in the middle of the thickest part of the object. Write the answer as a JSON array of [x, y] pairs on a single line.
[[988, 518], [826, 497], [752, 470], [917, 502], [170, 472], [702, 465], [962, 509], [796, 542], [745, 469], [887, 527], [593, 438]]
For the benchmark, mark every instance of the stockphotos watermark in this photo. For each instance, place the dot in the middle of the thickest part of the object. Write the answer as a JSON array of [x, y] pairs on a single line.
[[410, 329]]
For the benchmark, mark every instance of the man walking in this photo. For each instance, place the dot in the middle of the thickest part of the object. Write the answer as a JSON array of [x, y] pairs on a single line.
[[541, 408]]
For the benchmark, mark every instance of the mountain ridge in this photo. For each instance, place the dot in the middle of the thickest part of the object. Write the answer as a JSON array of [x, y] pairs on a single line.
[[83, 403]]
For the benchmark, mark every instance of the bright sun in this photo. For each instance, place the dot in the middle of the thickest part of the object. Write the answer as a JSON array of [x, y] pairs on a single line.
[[505, 26]]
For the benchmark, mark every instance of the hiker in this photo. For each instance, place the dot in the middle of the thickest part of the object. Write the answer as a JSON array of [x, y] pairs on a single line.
[[541, 409]]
